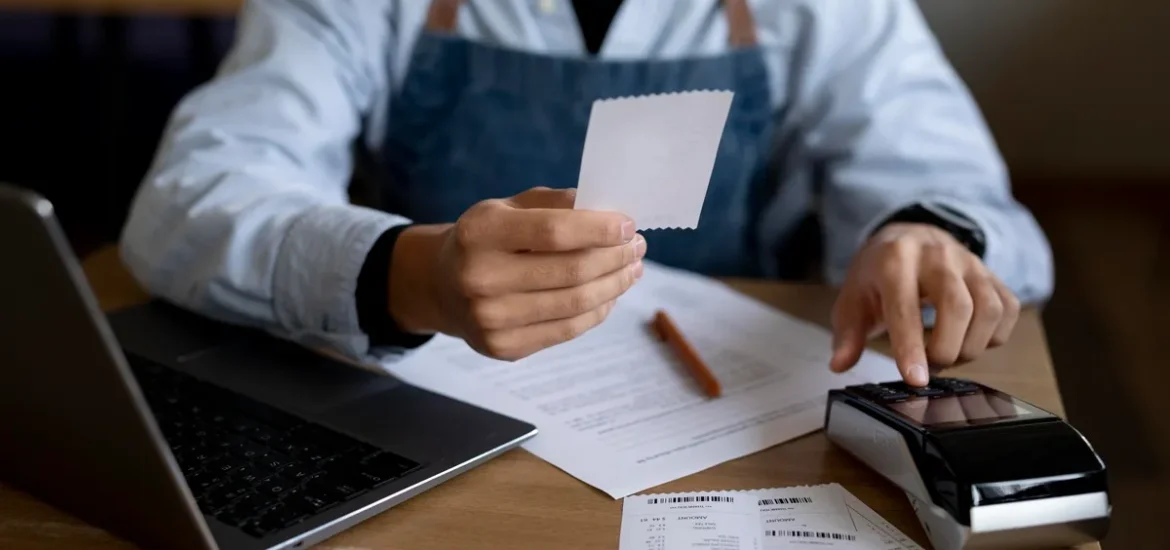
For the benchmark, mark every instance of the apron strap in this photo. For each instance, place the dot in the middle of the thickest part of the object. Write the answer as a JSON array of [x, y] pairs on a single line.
[[741, 26], [443, 15]]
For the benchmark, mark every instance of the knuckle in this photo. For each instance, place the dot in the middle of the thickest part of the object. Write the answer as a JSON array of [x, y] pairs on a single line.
[[474, 282], [549, 233], [957, 301], [990, 304], [497, 348], [899, 248], [465, 232], [485, 315], [937, 268], [938, 249], [1011, 304], [891, 266], [579, 300]]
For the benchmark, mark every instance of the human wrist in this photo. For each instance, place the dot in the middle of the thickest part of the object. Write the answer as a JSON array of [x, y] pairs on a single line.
[[413, 298], [958, 225]]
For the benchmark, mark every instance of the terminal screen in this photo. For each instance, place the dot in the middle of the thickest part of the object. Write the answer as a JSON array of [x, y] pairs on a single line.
[[970, 409]]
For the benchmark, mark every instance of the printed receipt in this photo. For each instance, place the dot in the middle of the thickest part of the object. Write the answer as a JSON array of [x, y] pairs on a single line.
[[798, 517], [708, 521], [651, 157], [820, 516]]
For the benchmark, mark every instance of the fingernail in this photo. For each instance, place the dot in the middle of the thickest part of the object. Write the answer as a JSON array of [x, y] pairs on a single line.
[[638, 270], [919, 375], [639, 247], [628, 231]]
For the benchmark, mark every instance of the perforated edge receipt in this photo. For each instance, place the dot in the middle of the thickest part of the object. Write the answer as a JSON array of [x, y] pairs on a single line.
[[651, 157]]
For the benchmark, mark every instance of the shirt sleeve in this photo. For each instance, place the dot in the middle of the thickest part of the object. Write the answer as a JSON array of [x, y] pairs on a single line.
[[244, 216], [891, 124]]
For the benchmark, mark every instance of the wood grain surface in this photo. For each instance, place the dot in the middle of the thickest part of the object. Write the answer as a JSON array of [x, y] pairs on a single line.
[[518, 501]]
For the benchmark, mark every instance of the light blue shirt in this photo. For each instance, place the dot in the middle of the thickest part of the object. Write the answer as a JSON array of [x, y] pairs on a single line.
[[245, 216]]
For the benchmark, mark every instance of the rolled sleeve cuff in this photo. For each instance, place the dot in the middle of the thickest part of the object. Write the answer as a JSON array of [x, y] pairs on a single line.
[[317, 275]]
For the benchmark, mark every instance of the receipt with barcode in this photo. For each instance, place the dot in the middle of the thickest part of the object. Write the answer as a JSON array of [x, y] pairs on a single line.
[[809, 516], [707, 521], [816, 516]]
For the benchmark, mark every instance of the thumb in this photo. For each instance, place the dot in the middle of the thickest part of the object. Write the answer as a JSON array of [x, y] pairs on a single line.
[[544, 197], [852, 323]]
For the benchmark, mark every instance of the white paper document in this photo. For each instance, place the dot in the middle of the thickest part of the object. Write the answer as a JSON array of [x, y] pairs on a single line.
[[616, 408], [699, 521], [798, 517], [651, 157], [820, 516], [883, 535]]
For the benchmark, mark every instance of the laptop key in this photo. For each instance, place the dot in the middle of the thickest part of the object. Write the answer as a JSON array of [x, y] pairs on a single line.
[[260, 527], [275, 486], [273, 461], [316, 500], [280, 516], [225, 494], [264, 435], [203, 480], [234, 516], [298, 471], [252, 504], [223, 466], [251, 474]]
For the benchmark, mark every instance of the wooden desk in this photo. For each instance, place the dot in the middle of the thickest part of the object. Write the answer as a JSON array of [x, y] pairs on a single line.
[[518, 501]]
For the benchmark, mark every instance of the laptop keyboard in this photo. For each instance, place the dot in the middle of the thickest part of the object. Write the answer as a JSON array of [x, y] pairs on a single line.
[[253, 466]]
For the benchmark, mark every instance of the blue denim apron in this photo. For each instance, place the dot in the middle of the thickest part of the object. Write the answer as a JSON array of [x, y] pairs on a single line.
[[474, 122]]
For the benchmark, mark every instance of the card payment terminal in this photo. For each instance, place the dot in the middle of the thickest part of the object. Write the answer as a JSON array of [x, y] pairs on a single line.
[[982, 469]]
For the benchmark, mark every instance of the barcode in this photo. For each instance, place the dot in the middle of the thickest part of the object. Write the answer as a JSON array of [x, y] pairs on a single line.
[[698, 498], [793, 500], [810, 535]]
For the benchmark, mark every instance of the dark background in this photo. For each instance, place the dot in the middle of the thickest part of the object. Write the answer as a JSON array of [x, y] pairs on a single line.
[[83, 100]]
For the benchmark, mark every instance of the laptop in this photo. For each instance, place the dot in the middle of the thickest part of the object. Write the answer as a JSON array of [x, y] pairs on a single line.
[[174, 431]]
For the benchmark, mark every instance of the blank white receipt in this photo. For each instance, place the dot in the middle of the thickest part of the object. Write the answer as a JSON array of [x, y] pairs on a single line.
[[651, 157]]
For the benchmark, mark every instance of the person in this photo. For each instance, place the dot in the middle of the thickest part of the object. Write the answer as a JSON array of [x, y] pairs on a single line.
[[475, 112]]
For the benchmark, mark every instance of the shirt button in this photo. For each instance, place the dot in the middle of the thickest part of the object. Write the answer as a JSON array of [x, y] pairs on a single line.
[[547, 7]]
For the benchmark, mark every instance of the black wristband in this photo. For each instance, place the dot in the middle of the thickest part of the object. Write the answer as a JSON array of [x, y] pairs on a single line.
[[961, 227], [373, 296]]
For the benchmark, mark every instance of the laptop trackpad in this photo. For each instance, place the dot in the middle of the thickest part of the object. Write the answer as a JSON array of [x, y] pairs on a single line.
[[287, 376]]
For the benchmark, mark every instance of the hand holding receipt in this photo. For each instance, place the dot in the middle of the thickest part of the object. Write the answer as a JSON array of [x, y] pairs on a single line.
[[613, 406]]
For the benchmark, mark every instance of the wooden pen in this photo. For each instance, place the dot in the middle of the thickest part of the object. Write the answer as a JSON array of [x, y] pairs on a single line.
[[666, 330]]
